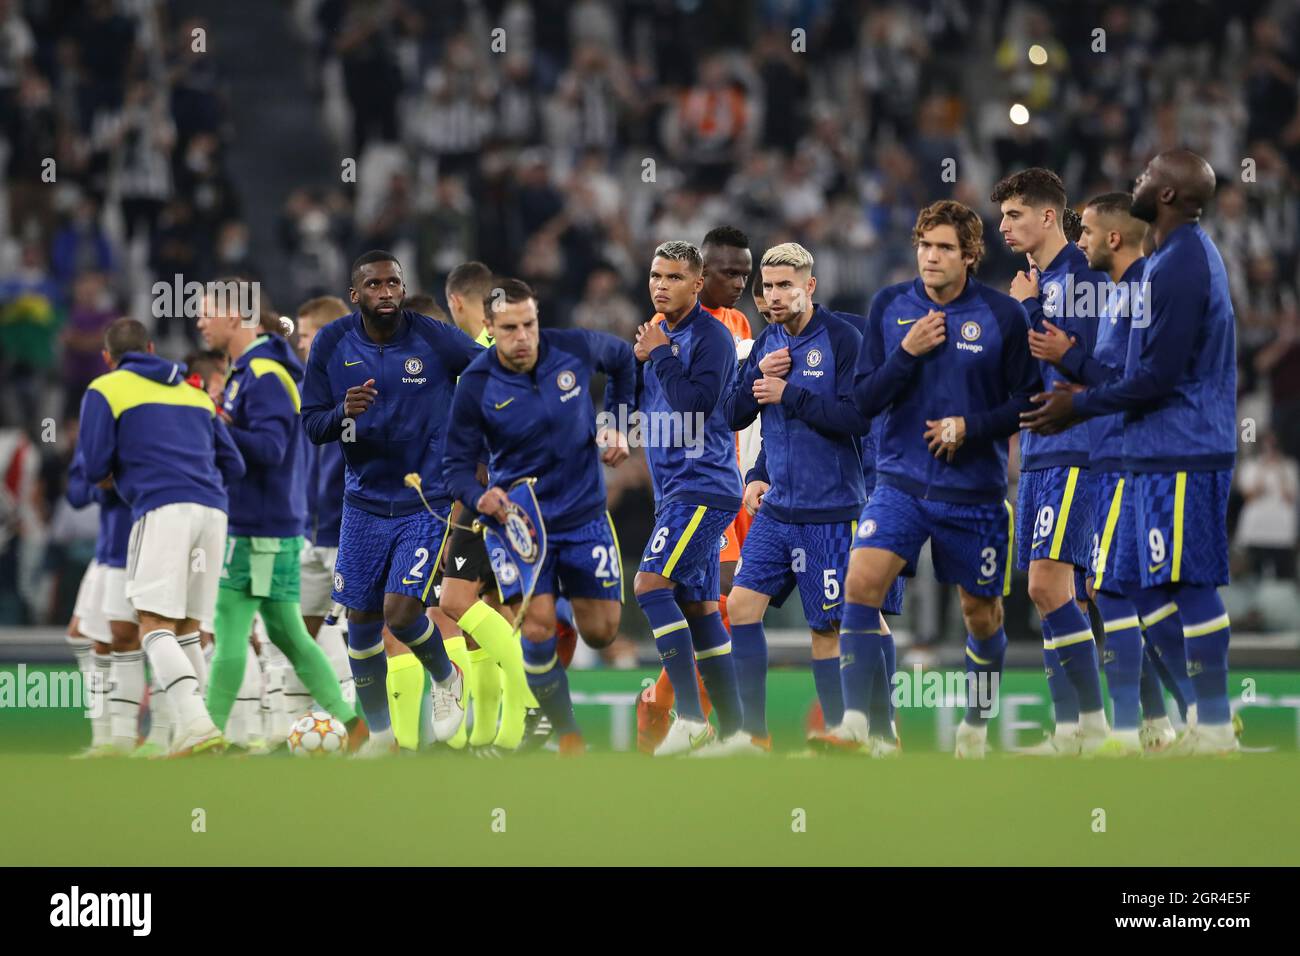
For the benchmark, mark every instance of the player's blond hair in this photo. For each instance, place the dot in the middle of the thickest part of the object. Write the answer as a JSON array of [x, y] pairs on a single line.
[[323, 309], [788, 254]]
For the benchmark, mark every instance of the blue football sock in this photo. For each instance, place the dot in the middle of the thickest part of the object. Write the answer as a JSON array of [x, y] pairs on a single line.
[[862, 655], [425, 642], [550, 684], [718, 670], [1163, 626], [882, 692], [749, 651], [1065, 702], [673, 641], [1077, 651], [984, 658], [370, 672], [1123, 658], [826, 676], [1206, 631], [1154, 684]]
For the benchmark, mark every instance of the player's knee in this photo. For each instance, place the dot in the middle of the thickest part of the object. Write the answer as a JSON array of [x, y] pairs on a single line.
[[863, 587], [400, 611], [825, 644], [983, 616], [744, 607], [537, 631], [1046, 593], [454, 604]]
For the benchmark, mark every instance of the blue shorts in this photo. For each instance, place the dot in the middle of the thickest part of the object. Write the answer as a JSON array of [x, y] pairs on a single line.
[[1182, 527], [685, 547], [583, 562], [779, 556], [1055, 517], [970, 544], [1115, 556], [380, 555]]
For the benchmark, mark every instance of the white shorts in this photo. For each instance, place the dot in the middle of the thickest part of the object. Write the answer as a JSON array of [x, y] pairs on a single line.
[[317, 579], [89, 609], [174, 561]]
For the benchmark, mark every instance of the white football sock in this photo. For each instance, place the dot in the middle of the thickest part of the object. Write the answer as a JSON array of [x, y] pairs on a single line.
[[176, 674], [160, 714], [124, 703], [333, 640], [192, 646], [101, 727], [1093, 723], [245, 716]]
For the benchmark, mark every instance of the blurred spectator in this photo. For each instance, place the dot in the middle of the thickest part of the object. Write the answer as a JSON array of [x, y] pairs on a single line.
[[1266, 527], [89, 317]]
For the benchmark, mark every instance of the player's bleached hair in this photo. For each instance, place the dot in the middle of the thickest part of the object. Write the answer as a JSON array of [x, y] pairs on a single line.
[[679, 250], [789, 254], [964, 221]]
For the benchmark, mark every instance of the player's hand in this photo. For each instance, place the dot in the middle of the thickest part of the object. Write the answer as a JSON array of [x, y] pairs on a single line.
[[359, 398], [1055, 412], [106, 484], [1049, 346], [1025, 285], [224, 415], [492, 503], [615, 444], [927, 333], [649, 337], [754, 492], [768, 391], [776, 364], [945, 436]]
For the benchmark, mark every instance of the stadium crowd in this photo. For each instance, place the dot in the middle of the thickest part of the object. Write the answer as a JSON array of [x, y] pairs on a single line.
[[565, 148]]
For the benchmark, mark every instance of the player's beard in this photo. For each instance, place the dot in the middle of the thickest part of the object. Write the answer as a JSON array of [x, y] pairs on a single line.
[[383, 321], [1143, 207]]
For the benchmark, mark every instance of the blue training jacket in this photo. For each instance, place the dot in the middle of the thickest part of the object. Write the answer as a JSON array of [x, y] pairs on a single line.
[[263, 402], [1179, 389], [158, 436], [1069, 299], [114, 514], [1106, 432], [681, 391], [812, 439], [404, 429], [325, 483], [539, 423], [982, 372]]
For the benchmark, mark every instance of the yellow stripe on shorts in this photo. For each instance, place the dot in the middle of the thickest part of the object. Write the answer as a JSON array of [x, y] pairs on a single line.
[[1108, 532], [1011, 546], [433, 572], [1063, 515], [618, 554], [684, 540], [1180, 500]]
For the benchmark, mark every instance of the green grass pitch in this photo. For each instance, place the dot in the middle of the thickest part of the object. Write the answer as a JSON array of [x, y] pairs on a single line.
[[626, 809]]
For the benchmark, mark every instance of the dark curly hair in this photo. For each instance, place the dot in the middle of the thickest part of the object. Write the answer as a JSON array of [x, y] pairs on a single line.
[[1035, 186]]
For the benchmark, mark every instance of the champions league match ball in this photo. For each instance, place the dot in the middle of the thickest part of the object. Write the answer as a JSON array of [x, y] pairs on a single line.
[[317, 734]]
